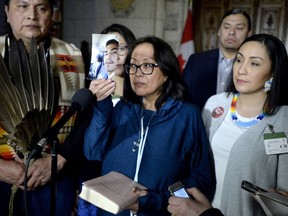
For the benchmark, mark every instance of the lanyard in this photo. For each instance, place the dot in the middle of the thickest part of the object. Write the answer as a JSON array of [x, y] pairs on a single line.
[[143, 137], [142, 142]]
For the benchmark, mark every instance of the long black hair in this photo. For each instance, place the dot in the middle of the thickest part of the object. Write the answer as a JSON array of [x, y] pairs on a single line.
[[276, 50], [124, 31]]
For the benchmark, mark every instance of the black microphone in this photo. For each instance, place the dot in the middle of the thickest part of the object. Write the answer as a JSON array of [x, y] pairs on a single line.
[[80, 100]]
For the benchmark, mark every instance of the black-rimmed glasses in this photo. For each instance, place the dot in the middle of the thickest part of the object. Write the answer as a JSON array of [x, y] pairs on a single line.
[[145, 68]]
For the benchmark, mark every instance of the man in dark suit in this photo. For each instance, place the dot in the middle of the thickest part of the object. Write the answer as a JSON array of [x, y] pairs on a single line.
[[206, 73]]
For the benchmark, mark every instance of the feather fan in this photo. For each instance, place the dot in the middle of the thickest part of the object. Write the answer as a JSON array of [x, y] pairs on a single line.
[[27, 95]]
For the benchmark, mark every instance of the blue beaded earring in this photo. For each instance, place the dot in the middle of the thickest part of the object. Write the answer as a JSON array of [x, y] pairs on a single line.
[[267, 85]]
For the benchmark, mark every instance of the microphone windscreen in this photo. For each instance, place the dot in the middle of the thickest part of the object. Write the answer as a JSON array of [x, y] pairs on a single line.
[[81, 99]]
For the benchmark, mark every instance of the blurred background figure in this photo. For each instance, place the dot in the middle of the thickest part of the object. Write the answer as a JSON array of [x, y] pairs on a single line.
[[206, 73]]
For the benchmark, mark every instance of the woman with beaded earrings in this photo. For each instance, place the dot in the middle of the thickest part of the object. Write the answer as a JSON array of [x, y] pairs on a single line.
[[243, 123]]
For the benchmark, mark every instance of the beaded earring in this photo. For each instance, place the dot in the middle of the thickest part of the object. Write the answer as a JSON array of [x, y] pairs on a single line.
[[267, 85]]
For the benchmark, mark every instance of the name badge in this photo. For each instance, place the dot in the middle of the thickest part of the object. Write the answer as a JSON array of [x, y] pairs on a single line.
[[275, 143]]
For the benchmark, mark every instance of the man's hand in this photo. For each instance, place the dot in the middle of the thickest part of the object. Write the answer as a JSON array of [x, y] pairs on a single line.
[[11, 171], [189, 207], [39, 172]]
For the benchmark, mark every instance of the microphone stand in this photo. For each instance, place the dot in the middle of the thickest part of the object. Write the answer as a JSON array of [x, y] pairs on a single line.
[[80, 99], [53, 189]]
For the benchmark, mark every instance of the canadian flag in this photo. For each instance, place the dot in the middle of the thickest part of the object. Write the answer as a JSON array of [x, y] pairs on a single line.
[[187, 43]]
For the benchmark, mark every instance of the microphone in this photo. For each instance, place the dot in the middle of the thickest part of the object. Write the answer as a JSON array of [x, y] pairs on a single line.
[[80, 100]]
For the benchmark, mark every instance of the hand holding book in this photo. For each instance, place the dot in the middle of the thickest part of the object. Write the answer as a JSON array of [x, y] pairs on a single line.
[[134, 208], [113, 192]]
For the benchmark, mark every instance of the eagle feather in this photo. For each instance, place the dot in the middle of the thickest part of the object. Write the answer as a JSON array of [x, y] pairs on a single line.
[[27, 94]]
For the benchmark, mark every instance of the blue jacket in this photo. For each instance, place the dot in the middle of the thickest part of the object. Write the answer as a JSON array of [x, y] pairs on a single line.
[[176, 149], [200, 75]]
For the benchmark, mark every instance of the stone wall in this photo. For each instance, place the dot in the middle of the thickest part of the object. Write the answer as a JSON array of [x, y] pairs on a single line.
[[161, 18]]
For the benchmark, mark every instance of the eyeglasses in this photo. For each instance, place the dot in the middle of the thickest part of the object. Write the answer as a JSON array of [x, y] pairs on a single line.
[[145, 68], [122, 50]]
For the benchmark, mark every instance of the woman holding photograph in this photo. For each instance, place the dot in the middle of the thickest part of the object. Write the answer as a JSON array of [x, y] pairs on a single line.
[[126, 38], [152, 135]]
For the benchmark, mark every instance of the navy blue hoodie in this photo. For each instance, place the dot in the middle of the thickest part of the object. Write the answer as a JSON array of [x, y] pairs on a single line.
[[176, 149]]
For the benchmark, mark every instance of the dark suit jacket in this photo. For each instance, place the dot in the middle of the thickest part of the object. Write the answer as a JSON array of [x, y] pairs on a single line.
[[200, 75]]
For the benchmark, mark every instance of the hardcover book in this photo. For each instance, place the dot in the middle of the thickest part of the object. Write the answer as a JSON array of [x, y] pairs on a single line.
[[111, 192]]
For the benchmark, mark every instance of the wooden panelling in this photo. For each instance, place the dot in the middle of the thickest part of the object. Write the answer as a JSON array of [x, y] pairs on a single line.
[[268, 16]]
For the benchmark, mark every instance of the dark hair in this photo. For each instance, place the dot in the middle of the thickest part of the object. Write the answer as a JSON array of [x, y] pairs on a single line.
[[125, 32], [236, 11], [112, 41], [168, 63], [279, 70]]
